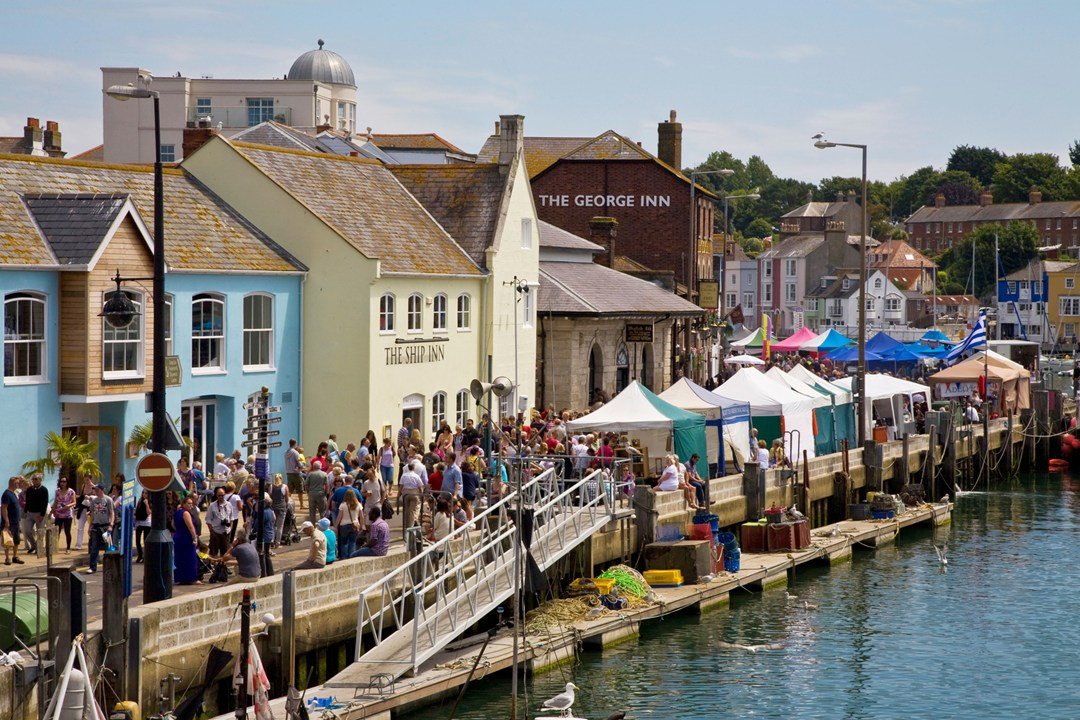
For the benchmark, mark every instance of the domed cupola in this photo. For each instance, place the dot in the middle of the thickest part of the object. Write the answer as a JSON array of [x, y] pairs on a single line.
[[324, 66]]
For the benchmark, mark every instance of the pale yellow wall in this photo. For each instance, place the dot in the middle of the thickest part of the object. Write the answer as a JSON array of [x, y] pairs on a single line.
[[508, 259], [422, 368], [336, 322], [347, 385]]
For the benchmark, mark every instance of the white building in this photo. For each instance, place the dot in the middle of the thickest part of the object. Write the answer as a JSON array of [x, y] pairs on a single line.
[[319, 91]]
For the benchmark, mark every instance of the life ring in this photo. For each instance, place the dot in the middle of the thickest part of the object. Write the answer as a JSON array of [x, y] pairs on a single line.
[[1058, 464]]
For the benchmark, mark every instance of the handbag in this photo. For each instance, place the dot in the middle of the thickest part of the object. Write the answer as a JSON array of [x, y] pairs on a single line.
[[9, 542], [220, 573], [387, 509]]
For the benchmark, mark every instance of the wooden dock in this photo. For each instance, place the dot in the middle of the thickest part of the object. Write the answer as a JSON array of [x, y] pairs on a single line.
[[445, 673]]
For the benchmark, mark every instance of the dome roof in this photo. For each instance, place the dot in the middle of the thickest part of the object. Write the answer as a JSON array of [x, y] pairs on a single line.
[[322, 66]]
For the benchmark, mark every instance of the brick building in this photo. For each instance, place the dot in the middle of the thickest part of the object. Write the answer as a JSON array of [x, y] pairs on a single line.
[[935, 228], [577, 179]]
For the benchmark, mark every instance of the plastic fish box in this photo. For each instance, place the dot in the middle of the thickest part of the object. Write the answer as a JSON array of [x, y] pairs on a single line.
[[663, 578], [602, 585]]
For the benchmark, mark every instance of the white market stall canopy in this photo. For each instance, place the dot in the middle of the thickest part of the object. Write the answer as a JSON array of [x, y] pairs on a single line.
[[817, 397], [801, 373], [884, 386], [727, 421], [775, 408]]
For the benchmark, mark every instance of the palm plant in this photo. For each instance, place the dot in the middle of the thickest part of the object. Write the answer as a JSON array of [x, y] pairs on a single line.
[[68, 452]]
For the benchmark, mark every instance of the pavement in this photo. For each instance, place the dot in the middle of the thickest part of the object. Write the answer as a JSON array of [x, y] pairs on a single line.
[[285, 558]]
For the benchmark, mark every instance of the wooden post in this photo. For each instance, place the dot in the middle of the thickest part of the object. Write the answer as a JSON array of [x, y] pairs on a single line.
[[1027, 440], [930, 466], [901, 477], [1009, 450], [805, 499], [948, 460], [751, 491], [114, 623], [1040, 403]]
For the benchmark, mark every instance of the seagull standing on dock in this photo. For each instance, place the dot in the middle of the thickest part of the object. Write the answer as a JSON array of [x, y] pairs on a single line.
[[562, 701]]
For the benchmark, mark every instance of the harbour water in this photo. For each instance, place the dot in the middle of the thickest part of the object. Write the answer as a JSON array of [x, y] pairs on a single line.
[[893, 634]]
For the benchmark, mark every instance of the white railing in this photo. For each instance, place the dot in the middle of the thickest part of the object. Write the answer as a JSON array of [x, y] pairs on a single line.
[[419, 608]]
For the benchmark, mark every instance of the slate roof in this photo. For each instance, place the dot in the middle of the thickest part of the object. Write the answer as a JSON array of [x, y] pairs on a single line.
[[94, 154], [367, 206], [75, 225], [585, 288], [540, 152], [275, 134], [816, 209], [1002, 212], [202, 233], [1035, 269], [465, 199], [419, 141], [12, 144], [552, 236], [794, 246], [836, 288]]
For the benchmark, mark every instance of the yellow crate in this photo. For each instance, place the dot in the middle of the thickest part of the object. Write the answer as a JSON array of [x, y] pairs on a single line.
[[663, 578], [601, 585]]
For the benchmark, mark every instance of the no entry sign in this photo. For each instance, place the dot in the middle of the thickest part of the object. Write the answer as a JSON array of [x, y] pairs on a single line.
[[155, 471]]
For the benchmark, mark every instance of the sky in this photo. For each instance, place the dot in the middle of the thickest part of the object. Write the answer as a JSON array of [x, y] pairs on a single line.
[[911, 79]]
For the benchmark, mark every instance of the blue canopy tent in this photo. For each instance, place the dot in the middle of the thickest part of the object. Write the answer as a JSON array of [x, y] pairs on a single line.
[[882, 344], [936, 336], [926, 351], [851, 354], [825, 343]]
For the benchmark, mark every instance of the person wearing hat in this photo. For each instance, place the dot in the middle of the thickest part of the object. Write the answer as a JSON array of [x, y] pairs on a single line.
[[331, 540], [316, 558], [102, 516]]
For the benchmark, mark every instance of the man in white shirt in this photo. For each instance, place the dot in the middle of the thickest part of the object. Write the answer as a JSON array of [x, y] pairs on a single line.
[[412, 489], [219, 517], [971, 414]]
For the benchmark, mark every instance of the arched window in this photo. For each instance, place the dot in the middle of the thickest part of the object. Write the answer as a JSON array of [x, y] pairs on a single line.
[[464, 312], [438, 312], [622, 369], [122, 353], [24, 337], [258, 331], [438, 411], [207, 333], [596, 373], [414, 317], [463, 398], [386, 313]]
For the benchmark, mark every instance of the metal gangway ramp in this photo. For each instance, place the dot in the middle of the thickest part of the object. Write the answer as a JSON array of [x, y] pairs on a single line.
[[418, 609]]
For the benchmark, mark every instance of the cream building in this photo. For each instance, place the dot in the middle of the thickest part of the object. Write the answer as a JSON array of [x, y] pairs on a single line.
[[393, 307], [319, 91]]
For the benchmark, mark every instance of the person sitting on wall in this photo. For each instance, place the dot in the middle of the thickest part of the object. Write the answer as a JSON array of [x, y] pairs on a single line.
[[378, 541], [316, 558], [693, 478]]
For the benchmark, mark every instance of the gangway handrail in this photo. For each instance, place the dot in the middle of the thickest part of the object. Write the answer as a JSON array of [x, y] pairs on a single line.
[[416, 594]]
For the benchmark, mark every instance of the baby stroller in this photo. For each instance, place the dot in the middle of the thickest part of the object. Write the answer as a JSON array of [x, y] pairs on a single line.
[[290, 535]]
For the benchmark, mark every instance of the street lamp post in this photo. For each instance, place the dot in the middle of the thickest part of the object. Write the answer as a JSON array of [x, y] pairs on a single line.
[[821, 142], [157, 571], [723, 252], [692, 264]]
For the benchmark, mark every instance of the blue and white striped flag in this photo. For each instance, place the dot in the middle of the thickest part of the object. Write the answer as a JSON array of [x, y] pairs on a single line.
[[975, 339]]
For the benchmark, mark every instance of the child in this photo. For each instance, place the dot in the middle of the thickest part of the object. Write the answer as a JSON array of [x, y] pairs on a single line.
[[203, 555]]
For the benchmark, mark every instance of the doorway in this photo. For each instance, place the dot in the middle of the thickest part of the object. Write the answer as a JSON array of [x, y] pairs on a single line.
[[198, 424], [412, 407], [596, 374], [622, 369]]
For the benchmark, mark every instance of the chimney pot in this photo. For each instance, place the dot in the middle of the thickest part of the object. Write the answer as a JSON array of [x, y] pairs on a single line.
[[33, 122]]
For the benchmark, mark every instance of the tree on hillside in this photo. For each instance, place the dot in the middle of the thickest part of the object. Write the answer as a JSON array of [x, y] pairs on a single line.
[[911, 191], [1016, 248], [958, 187], [977, 162], [1015, 177], [1074, 152]]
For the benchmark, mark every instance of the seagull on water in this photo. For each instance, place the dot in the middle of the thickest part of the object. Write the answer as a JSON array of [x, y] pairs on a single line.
[[749, 648], [941, 550], [562, 701]]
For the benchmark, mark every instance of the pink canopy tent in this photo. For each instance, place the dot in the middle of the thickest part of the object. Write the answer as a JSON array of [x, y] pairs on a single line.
[[791, 344]]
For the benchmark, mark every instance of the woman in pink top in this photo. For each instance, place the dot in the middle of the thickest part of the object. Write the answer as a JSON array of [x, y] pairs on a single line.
[[63, 509]]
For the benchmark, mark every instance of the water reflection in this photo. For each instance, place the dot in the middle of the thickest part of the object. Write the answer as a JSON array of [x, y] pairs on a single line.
[[891, 635]]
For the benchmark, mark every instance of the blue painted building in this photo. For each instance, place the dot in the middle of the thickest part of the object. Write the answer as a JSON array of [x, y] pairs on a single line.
[[234, 305]]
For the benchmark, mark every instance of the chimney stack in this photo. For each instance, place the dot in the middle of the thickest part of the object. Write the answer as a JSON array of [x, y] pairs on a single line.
[[602, 231], [497, 127], [52, 140], [511, 139], [986, 198], [33, 138], [195, 138], [1034, 196], [669, 145], [939, 200]]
